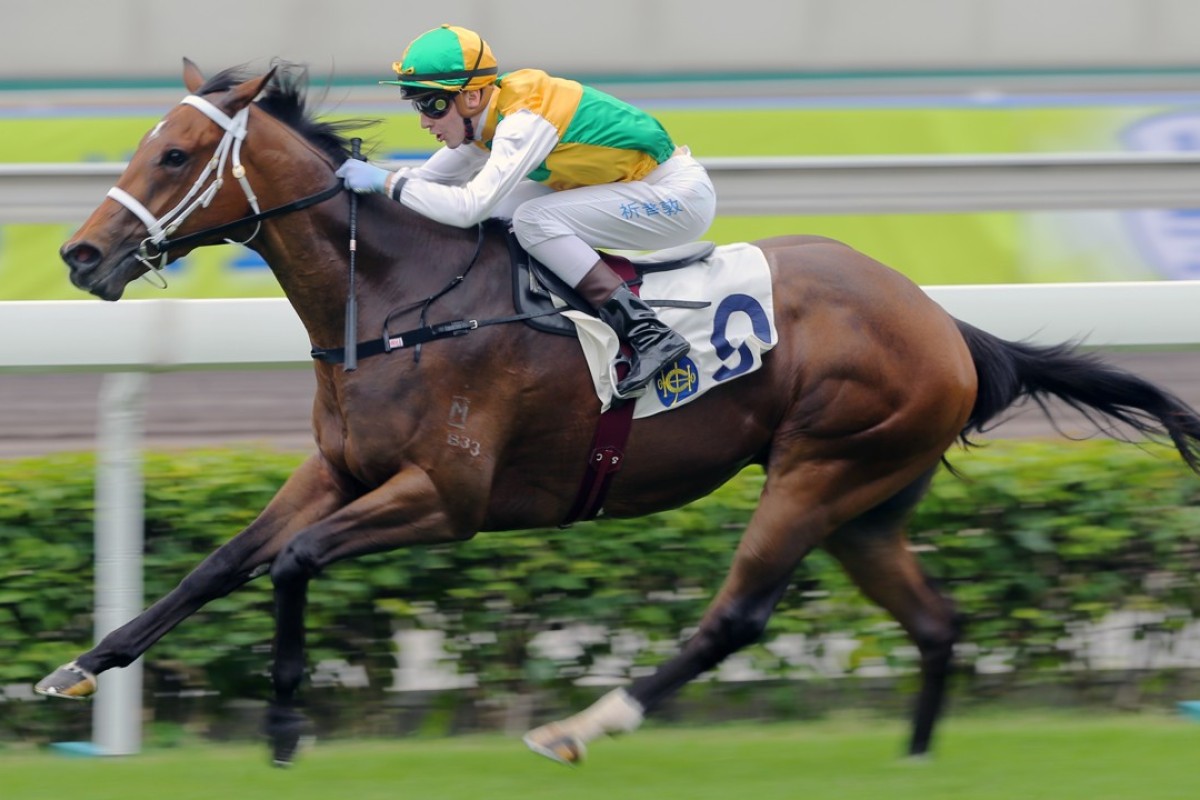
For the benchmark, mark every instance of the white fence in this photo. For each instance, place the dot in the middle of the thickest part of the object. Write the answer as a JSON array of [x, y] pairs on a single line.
[[139, 335], [789, 184]]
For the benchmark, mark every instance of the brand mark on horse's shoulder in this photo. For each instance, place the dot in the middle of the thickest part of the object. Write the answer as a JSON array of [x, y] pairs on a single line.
[[460, 407], [472, 446]]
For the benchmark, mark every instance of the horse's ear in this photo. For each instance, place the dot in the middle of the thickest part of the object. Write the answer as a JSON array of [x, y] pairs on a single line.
[[192, 78], [244, 94]]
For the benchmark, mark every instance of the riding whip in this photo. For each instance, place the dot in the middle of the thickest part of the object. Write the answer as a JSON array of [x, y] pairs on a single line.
[[351, 335]]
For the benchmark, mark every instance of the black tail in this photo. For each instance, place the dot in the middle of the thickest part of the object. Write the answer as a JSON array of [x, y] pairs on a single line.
[[1010, 371]]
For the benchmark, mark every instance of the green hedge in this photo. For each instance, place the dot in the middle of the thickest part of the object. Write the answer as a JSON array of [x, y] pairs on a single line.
[[1038, 539]]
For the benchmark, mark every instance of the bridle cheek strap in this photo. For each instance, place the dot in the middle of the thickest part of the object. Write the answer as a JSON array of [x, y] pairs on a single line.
[[200, 195]]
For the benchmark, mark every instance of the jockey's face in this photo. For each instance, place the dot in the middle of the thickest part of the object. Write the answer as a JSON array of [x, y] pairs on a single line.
[[450, 129]]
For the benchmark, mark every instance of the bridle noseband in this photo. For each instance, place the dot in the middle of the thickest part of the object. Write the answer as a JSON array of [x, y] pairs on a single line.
[[154, 248]]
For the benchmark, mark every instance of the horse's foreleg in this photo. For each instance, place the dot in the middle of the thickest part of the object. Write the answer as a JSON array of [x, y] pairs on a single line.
[[407, 510], [285, 723], [308, 495]]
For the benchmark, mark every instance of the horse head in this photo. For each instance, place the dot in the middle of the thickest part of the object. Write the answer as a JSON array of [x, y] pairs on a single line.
[[169, 187]]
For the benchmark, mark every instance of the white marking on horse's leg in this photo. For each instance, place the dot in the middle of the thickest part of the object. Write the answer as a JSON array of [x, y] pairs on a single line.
[[566, 741]]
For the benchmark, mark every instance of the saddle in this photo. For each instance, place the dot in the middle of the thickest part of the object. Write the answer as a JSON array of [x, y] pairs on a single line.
[[538, 292]]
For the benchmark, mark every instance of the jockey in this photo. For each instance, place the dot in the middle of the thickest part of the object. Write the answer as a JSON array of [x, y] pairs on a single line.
[[573, 168]]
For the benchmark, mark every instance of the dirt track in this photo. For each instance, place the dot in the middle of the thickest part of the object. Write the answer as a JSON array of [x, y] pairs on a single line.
[[57, 412]]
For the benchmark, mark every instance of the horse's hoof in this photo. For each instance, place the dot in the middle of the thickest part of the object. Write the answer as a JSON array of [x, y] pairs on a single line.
[[284, 745], [70, 680], [286, 728], [283, 749], [556, 744]]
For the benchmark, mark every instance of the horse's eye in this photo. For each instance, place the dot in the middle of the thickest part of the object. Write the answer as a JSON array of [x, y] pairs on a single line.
[[174, 158]]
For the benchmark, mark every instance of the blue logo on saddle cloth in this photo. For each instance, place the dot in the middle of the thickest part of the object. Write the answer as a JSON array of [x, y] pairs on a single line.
[[677, 382], [1169, 239]]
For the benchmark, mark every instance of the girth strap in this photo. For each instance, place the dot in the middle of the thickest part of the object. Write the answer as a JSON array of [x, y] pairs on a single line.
[[398, 341]]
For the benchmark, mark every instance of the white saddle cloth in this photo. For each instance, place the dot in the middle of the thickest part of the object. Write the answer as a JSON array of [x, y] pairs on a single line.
[[728, 336]]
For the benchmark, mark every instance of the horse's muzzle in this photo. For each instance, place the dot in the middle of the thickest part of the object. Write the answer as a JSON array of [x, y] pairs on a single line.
[[84, 261]]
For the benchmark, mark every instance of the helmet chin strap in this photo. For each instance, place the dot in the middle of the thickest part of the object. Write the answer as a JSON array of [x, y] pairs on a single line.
[[468, 114]]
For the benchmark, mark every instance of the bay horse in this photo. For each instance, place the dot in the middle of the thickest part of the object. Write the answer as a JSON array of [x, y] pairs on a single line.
[[869, 384]]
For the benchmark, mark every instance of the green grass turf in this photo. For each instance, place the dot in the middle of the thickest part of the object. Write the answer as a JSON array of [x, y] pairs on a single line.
[[1014, 757]]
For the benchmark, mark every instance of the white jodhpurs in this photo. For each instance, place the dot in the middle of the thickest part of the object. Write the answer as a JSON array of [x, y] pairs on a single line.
[[673, 205]]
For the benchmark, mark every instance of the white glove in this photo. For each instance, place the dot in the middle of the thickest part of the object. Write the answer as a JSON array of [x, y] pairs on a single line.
[[361, 177]]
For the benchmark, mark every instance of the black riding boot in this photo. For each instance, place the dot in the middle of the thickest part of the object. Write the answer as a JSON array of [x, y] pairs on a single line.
[[654, 344]]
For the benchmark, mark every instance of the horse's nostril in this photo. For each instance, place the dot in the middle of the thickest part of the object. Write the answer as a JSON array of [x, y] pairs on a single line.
[[81, 255]]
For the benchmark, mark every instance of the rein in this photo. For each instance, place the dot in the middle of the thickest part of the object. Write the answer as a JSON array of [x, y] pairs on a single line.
[[216, 230]]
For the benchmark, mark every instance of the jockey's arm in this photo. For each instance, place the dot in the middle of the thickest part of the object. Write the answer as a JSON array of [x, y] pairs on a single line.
[[457, 165], [447, 165], [522, 142]]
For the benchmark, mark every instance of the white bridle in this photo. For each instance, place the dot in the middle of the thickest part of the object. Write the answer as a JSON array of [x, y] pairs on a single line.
[[199, 196]]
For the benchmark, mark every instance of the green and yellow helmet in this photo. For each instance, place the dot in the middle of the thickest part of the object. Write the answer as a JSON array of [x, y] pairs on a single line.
[[445, 59]]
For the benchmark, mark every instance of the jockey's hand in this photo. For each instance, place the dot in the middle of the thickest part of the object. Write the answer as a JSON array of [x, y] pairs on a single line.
[[361, 177]]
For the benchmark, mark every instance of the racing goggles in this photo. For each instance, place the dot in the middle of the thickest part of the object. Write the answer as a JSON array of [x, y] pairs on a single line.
[[434, 105]]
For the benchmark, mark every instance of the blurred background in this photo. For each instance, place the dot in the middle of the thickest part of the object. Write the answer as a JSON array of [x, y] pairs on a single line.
[[816, 78], [140, 39], [1076, 564]]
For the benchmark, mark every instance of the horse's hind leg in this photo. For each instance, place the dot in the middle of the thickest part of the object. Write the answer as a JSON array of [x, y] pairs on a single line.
[[874, 552], [735, 618], [800, 507]]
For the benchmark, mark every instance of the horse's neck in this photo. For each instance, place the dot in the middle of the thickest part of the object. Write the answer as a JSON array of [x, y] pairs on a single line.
[[401, 259], [406, 258], [308, 255]]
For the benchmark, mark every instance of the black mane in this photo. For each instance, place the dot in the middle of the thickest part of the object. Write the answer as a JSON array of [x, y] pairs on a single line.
[[286, 98]]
